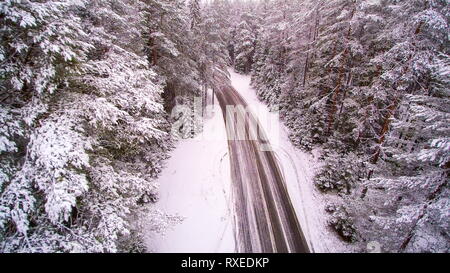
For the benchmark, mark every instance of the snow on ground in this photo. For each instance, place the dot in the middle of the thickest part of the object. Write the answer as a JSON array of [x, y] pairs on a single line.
[[196, 185], [298, 169]]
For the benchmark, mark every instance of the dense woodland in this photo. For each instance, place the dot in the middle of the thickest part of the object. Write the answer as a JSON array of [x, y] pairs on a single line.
[[87, 88]]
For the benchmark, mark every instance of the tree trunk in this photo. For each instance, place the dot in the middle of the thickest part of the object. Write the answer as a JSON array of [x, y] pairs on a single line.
[[384, 130], [155, 56], [338, 88], [366, 115], [203, 100], [334, 101], [349, 80], [308, 48], [313, 32]]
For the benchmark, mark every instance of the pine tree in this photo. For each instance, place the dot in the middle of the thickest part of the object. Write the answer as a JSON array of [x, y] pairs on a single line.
[[90, 134], [414, 152]]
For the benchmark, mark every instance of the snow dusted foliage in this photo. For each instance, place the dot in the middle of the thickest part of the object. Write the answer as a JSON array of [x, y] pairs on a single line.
[[419, 147], [83, 132], [170, 47], [342, 223], [182, 49], [341, 172], [31, 30], [57, 157], [10, 130], [368, 82], [39, 46], [244, 37]]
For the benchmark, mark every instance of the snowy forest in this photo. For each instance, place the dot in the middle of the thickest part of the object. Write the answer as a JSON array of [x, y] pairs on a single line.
[[88, 90]]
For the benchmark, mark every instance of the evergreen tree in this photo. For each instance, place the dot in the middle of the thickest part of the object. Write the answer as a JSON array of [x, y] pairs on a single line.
[[84, 140]]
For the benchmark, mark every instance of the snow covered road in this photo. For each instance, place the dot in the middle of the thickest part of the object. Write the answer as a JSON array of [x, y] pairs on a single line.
[[266, 220]]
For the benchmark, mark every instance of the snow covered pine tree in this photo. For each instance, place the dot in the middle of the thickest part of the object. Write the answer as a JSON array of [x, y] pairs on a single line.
[[83, 126]]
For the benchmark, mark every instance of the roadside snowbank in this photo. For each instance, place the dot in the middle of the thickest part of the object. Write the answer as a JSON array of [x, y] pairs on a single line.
[[196, 185], [298, 169]]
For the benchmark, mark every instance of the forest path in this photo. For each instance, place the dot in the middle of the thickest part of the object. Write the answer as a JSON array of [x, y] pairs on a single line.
[[265, 218]]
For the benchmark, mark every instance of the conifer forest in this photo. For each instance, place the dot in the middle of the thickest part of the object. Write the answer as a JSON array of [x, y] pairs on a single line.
[[225, 126]]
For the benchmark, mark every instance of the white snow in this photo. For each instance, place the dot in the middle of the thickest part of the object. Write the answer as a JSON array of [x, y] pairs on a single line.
[[298, 169], [196, 185]]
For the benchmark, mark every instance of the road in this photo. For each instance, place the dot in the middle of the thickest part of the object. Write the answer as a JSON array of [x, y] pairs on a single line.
[[265, 218]]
